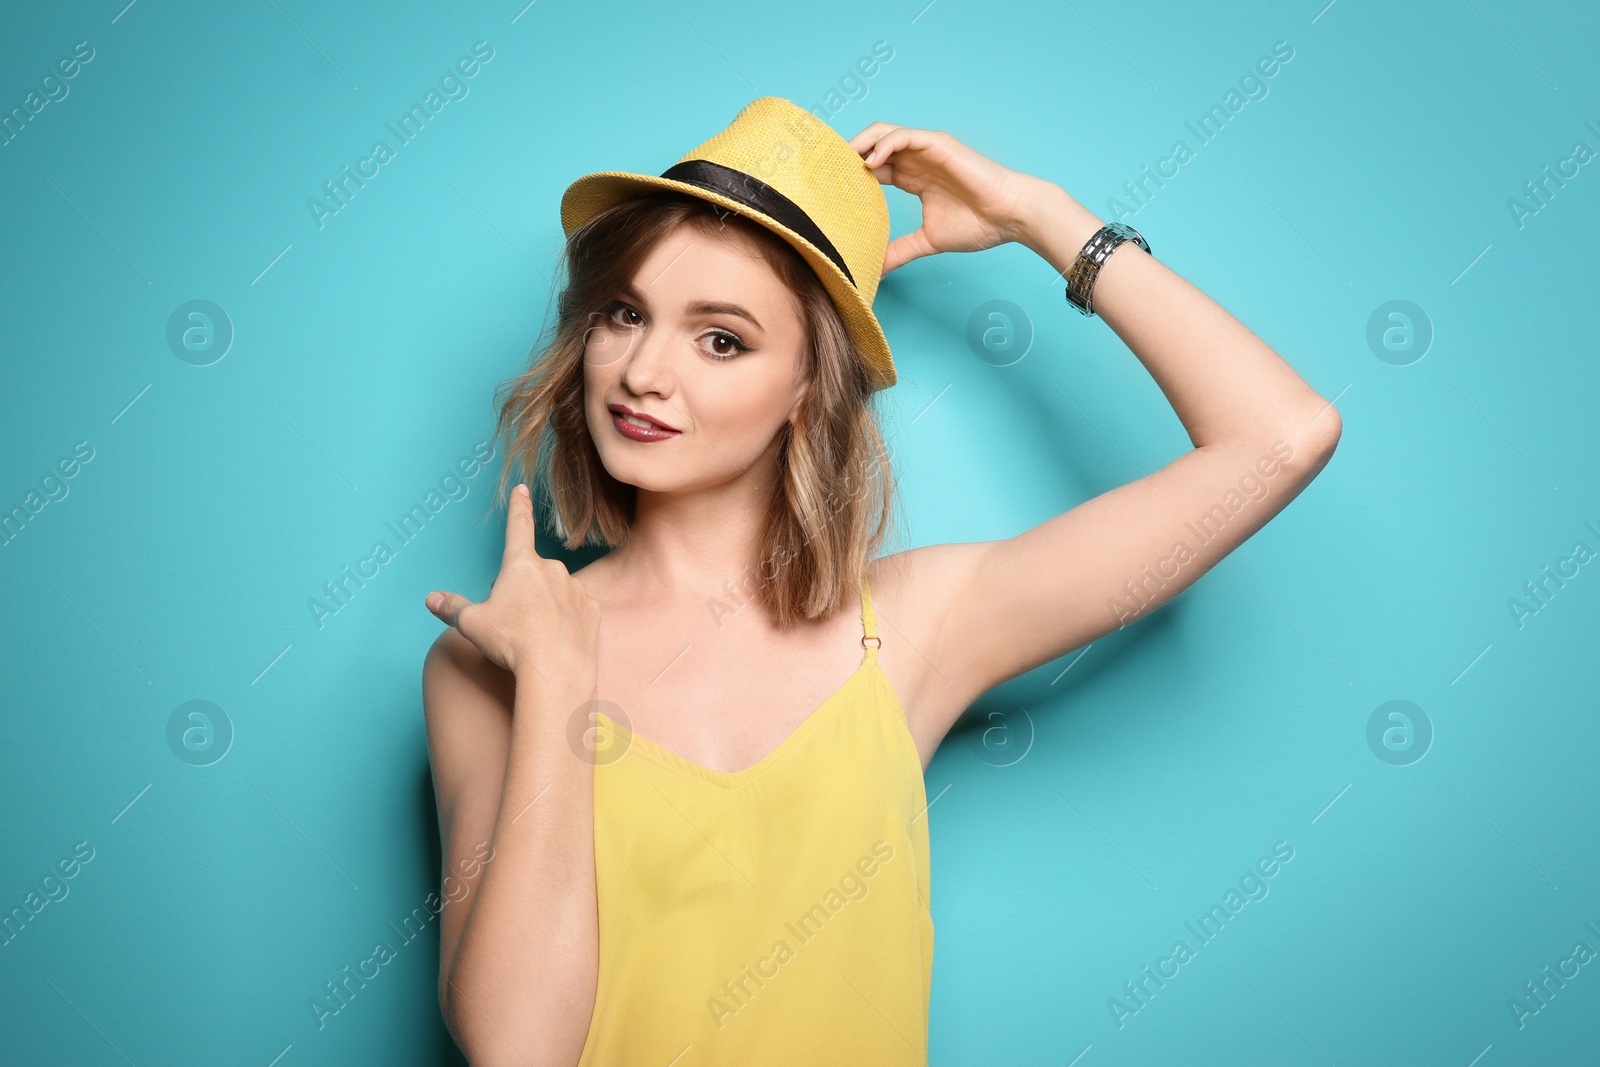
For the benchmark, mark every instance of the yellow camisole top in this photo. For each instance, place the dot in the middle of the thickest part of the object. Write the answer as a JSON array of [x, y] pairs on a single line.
[[774, 915]]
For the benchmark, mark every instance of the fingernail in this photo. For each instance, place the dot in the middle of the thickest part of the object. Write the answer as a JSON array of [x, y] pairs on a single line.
[[434, 600], [522, 487]]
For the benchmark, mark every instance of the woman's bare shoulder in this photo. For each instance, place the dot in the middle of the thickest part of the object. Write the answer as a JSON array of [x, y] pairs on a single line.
[[456, 674]]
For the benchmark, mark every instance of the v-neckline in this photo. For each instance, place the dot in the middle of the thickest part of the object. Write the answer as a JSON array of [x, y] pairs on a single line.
[[734, 779]]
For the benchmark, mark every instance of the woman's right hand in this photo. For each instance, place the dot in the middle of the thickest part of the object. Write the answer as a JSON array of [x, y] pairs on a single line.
[[538, 616]]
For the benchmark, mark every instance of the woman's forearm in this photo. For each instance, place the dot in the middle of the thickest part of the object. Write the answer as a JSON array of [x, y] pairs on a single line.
[[1223, 381], [521, 988]]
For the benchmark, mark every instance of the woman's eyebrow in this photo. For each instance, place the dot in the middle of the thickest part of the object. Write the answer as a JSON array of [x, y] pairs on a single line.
[[711, 307], [701, 307]]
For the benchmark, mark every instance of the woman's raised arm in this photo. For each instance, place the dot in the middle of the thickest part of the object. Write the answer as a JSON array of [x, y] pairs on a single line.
[[1260, 435]]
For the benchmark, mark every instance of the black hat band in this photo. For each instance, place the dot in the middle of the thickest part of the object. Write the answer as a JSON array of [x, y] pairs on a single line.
[[754, 193]]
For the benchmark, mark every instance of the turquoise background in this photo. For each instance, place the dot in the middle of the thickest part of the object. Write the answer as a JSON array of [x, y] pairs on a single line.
[[1093, 807]]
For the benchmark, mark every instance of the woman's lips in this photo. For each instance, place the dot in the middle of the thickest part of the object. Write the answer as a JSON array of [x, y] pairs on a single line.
[[635, 432]]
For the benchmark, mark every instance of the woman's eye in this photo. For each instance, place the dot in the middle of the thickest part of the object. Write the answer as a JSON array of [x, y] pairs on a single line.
[[721, 345], [733, 346]]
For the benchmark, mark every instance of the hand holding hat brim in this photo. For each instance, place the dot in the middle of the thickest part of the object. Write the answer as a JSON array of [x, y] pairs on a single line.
[[969, 202]]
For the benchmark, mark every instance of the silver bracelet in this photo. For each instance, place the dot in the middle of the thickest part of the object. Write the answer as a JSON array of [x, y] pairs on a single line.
[[1096, 250]]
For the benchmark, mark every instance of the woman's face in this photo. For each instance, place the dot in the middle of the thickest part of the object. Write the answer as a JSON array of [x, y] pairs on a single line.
[[707, 340]]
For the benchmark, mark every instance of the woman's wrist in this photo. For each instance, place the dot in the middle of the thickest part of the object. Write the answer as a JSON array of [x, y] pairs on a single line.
[[1053, 224], [566, 673]]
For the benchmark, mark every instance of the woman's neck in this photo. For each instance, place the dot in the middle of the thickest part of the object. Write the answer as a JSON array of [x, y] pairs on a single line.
[[691, 544]]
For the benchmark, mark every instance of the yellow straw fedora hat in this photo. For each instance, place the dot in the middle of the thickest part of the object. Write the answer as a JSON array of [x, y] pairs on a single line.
[[785, 168]]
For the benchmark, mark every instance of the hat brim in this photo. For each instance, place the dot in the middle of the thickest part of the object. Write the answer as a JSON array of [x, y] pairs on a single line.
[[593, 193]]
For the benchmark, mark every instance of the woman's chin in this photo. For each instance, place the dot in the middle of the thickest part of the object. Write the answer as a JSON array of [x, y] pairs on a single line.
[[643, 474]]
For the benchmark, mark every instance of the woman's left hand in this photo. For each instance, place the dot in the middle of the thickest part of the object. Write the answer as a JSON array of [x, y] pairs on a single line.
[[969, 202]]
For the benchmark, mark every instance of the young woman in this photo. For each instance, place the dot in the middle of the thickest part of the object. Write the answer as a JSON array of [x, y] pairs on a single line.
[[704, 847]]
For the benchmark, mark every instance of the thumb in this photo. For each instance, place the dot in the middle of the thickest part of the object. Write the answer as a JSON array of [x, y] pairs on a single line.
[[447, 606], [905, 248]]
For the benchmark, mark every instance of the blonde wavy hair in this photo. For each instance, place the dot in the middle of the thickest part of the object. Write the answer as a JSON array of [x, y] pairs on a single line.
[[833, 502]]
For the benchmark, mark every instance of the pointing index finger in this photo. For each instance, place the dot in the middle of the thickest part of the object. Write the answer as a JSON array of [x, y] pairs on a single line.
[[519, 523]]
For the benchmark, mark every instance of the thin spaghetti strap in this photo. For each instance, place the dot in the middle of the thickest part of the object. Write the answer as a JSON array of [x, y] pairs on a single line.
[[869, 620]]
